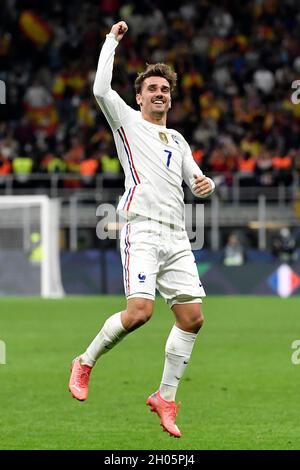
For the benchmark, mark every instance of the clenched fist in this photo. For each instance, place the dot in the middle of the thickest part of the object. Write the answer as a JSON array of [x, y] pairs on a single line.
[[119, 29], [202, 186]]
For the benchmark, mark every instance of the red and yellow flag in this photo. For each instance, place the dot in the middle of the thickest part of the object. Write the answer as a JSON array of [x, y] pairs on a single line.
[[35, 28]]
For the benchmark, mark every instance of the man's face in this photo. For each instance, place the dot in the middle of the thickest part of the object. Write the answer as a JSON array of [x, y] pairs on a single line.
[[155, 96]]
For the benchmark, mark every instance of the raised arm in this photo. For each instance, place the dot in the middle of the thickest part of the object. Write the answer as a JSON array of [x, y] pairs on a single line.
[[200, 185], [114, 108]]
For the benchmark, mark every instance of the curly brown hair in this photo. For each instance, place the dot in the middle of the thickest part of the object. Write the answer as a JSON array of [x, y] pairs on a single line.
[[156, 70]]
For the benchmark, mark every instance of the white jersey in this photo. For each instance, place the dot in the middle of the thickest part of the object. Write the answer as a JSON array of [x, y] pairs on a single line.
[[155, 159]]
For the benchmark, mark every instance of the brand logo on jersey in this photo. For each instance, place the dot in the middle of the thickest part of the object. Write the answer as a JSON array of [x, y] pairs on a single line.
[[163, 137], [174, 137], [142, 277]]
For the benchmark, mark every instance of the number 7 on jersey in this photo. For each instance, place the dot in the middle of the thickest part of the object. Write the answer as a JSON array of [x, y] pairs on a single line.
[[169, 157]]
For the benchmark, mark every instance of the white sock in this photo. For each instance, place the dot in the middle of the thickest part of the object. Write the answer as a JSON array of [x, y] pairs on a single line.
[[111, 334], [178, 350]]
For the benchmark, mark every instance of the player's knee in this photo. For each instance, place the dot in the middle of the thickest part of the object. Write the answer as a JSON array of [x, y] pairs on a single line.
[[189, 317], [194, 322], [198, 322], [140, 312]]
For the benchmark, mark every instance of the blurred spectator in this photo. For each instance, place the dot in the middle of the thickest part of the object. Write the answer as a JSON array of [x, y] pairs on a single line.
[[52, 164], [9, 146], [283, 167], [22, 166], [264, 80], [88, 169], [246, 168], [5, 169], [234, 253], [73, 158], [284, 246], [110, 166], [264, 168], [74, 155], [37, 96], [40, 108]]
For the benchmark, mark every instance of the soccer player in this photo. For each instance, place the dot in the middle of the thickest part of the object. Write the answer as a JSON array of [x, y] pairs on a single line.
[[156, 252]]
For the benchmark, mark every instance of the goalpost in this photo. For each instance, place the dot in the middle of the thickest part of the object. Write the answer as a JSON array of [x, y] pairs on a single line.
[[29, 246]]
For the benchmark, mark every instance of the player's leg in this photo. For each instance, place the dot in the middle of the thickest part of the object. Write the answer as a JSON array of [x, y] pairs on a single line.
[[140, 292], [189, 316], [178, 350], [179, 284], [179, 346], [115, 328]]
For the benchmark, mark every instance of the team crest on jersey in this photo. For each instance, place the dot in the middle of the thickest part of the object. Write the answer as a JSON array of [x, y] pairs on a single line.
[[163, 137], [142, 277]]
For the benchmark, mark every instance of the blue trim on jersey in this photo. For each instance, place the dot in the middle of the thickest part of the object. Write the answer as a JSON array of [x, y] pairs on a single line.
[[125, 261], [127, 197], [128, 157]]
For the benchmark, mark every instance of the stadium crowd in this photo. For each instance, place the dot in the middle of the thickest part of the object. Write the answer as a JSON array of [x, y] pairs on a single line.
[[236, 62]]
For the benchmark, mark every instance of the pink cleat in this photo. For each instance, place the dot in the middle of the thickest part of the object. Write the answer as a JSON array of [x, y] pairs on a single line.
[[166, 411], [79, 380]]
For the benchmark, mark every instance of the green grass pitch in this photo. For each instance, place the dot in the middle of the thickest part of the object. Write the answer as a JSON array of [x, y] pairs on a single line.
[[240, 390]]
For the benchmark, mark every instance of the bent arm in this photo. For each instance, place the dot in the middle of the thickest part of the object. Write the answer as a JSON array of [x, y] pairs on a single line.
[[191, 173]]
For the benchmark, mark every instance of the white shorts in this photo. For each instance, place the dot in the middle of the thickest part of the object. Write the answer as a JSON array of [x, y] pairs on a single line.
[[155, 256]]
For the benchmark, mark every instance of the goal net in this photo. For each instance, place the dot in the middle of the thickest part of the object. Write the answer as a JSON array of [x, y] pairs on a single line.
[[29, 246]]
